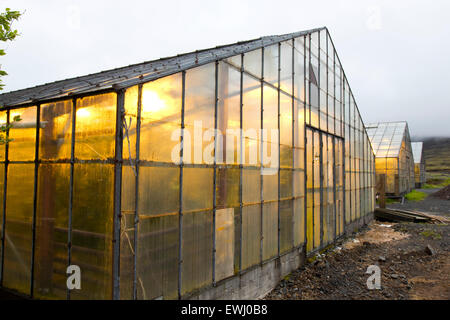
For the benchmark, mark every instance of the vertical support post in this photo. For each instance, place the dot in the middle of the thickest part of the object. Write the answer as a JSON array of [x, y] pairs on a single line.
[[322, 182], [70, 211], [216, 103], [294, 122], [279, 150], [120, 111], [305, 150], [321, 178], [261, 157], [5, 185], [36, 171], [241, 161], [334, 140], [342, 103], [180, 217], [136, 191]]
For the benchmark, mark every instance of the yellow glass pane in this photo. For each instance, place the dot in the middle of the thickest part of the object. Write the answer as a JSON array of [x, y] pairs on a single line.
[[92, 229], [228, 115], [161, 118], [159, 190], [195, 179], [3, 121], [251, 120], [127, 233], [286, 66], [299, 221], [23, 133], [199, 113], [157, 260], [227, 187], [197, 251], [2, 182], [309, 222], [18, 234], [270, 187], [52, 219], [270, 115], [55, 135], [95, 127], [131, 108], [251, 235], [270, 230], [286, 183], [251, 186], [286, 225]]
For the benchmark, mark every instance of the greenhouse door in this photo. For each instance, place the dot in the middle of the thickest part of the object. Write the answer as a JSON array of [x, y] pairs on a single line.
[[324, 181]]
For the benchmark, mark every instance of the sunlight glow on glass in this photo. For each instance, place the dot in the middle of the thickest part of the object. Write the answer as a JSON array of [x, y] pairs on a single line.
[[152, 102], [83, 113]]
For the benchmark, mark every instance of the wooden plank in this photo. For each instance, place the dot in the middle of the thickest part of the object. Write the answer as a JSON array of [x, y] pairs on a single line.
[[392, 215]]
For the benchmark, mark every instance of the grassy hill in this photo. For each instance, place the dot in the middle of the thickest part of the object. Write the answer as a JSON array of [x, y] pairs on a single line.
[[437, 154], [437, 160]]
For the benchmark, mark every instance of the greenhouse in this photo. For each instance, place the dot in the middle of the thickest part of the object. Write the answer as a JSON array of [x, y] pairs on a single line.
[[210, 174], [419, 163], [393, 155]]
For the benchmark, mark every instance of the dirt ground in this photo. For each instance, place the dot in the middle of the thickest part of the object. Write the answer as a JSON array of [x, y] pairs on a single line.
[[409, 270]]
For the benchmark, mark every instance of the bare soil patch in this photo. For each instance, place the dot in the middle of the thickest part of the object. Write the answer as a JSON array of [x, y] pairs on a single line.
[[409, 270]]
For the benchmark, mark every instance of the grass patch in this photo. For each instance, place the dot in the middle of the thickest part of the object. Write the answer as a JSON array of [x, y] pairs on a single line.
[[437, 183], [389, 200], [416, 196], [431, 234]]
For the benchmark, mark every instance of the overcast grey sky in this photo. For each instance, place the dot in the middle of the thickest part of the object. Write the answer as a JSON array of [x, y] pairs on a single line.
[[395, 53]]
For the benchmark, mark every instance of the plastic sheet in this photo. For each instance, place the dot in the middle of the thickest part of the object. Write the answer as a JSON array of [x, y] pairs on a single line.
[[52, 222], [55, 139], [95, 127], [18, 235], [197, 245], [251, 235], [92, 222]]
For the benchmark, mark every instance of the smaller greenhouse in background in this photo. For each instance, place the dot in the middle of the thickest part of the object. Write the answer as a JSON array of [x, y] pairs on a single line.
[[391, 144], [419, 163]]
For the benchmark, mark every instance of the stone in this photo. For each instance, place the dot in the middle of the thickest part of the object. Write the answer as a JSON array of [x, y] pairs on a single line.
[[382, 259], [430, 250]]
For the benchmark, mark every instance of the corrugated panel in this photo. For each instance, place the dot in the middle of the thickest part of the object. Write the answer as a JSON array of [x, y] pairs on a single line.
[[134, 74]]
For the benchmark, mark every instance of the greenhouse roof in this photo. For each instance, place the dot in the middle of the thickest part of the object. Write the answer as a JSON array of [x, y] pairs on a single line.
[[386, 138], [139, 73], [417, 151]]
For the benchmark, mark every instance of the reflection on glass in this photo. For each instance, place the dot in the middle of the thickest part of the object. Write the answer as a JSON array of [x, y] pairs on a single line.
[[56, 130], [23, 133], [95, 127], [160, 118]]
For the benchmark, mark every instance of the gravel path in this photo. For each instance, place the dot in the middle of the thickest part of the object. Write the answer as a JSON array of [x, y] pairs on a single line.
[[429, 204]]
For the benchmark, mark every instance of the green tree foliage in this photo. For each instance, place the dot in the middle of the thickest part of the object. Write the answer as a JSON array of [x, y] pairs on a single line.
[[7, 34]]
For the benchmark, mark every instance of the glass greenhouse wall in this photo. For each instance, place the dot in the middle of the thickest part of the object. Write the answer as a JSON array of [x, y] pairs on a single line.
[[419, 164], [166, 187], [392, 146]]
